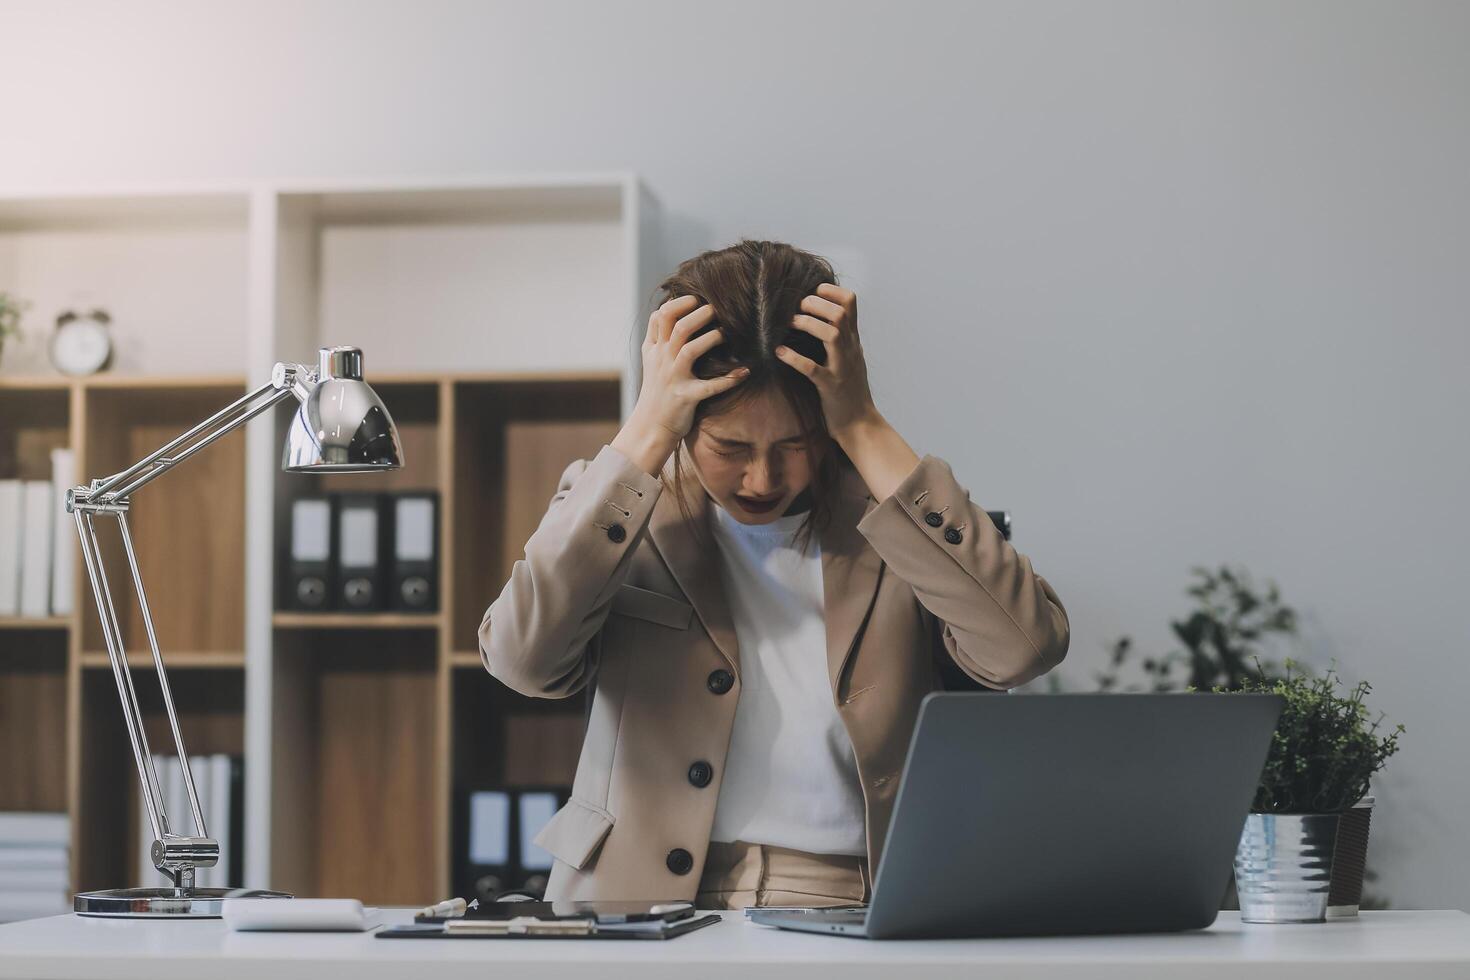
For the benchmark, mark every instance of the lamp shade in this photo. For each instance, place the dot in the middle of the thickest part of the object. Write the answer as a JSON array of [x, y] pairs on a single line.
[[341, 425]]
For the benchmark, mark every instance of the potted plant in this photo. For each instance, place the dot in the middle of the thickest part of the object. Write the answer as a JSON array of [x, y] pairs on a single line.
[[1323, 753], [10, 311]]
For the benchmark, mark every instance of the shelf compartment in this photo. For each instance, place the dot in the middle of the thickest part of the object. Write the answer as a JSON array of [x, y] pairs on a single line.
[[353, 766], [515, 439], [415, 409], [33, 720], [33, 421], [188, 526], [211, 711], [501, 738], [420, 278], [172, 659]]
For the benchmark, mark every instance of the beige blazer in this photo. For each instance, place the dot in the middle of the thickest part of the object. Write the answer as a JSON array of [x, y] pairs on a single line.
[[615, 591]]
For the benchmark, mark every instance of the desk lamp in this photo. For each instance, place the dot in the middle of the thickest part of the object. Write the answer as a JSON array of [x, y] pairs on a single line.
[[340, 426]]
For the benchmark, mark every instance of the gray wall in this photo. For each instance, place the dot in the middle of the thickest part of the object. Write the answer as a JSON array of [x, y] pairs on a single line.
[[1178, 283]]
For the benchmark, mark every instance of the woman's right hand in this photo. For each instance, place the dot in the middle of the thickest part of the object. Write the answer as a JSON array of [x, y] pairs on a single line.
[[664, 413]]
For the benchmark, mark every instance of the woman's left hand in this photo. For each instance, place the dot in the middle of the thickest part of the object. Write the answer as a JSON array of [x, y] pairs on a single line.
[[830, 315]]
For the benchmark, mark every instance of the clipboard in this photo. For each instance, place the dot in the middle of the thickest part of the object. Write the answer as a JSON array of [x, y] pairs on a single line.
[[530, 927]]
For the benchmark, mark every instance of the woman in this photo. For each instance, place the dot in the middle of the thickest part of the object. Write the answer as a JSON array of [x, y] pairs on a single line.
[[759, 637]]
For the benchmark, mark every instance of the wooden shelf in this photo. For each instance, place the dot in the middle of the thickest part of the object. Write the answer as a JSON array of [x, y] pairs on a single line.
[[34, 622], [342, 620], [172, 660], [373, 719], [36, 383]]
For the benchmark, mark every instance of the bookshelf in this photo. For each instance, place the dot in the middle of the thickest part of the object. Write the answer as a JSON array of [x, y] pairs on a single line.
[[495, 315]]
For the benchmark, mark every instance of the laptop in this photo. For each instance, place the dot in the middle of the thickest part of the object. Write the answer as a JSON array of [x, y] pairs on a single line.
[[1061, 814]]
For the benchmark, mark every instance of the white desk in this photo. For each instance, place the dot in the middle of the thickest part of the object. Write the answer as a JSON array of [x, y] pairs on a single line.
[[1379, 945]]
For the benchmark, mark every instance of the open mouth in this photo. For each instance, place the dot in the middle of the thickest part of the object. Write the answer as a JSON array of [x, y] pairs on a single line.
[[753, 506]]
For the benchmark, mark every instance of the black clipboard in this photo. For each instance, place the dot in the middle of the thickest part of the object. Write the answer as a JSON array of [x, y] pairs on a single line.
[[551, 929]]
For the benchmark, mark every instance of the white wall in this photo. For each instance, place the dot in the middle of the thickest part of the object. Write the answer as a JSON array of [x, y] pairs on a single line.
[[1178, 283]]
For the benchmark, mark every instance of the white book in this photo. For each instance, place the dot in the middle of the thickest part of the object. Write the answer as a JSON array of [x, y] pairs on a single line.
[[15, 906], [199, 769], [27, 829], [219, 818], [64, 532], [34, 880], [50, 856], [11, 517], [176, 799], [35, 549]]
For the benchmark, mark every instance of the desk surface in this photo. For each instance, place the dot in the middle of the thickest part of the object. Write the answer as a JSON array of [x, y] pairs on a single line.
[[1377, 945]]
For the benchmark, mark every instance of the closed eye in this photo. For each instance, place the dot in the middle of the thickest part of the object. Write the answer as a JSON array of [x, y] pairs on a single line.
[[741, 452]]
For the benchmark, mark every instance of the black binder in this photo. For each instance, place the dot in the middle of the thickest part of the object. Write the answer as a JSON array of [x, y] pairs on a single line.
[[310, 558], [493, 831], [414, 556], [361, 534]]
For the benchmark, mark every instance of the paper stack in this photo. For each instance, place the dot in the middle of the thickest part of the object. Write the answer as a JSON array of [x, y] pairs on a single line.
[[35, 873]]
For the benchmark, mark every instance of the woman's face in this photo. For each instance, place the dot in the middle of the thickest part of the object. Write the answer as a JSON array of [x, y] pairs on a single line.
[[752, 459]]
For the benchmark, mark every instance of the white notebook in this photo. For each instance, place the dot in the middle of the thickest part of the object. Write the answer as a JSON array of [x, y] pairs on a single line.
[[35, 573], [11, 519]]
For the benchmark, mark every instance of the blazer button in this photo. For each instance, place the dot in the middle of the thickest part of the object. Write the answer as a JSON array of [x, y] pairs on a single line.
[[720, 681], [680, 861], [953, 536], [616, 532], [933, 519], [701, 773]]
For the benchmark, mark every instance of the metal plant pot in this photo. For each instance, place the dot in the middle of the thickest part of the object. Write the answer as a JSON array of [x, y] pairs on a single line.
[[1283, 866]]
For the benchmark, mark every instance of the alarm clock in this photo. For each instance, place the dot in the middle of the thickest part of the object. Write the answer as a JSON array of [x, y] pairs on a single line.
[[82, 344]]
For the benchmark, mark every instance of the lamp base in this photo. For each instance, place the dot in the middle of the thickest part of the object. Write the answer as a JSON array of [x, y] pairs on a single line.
[[163, 903]]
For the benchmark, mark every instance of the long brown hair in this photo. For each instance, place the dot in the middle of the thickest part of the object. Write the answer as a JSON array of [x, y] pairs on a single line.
[[756, 289]]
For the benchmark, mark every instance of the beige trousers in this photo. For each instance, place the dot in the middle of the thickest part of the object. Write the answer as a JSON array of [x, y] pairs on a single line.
[[739, 875]]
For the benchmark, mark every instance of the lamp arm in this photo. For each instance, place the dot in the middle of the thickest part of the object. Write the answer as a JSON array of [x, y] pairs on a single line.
[[286, 380]]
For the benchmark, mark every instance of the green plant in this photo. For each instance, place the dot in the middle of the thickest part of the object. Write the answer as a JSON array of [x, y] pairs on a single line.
[[1222, 636], [1324, 749], [10, 310]]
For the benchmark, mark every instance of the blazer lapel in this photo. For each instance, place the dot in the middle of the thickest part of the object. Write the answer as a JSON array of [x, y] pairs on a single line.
[[850, 568], [850, 571], [695, 567]]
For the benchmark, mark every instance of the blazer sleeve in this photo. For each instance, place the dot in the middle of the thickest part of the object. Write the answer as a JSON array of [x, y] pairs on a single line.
[[535, 636], [1003, 624]]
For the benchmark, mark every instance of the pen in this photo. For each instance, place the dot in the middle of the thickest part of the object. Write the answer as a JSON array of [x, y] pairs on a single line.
[[448, 907]]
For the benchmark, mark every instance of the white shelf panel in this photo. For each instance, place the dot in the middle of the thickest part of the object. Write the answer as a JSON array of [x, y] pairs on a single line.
[[119, 211], [169, 269], [456, 205], [492, 296]]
